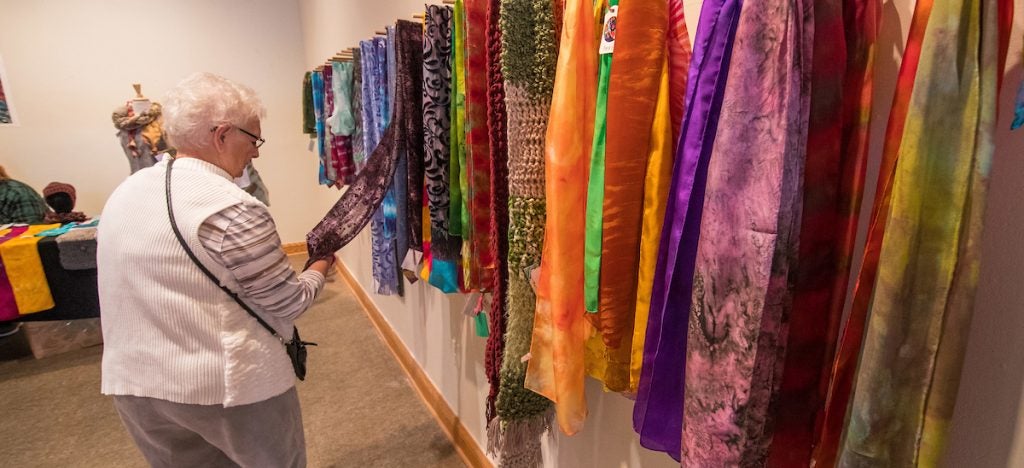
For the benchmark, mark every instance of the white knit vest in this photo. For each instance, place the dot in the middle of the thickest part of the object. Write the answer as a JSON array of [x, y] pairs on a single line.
[[169, 332]]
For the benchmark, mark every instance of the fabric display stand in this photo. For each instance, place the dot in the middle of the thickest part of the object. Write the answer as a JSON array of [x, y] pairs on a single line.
[[585, 174], [48, 283]]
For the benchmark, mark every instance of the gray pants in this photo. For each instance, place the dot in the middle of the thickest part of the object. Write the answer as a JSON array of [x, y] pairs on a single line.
[[264, 434]]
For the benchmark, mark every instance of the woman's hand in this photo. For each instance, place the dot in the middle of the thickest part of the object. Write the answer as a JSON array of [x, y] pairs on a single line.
[[323, 266]]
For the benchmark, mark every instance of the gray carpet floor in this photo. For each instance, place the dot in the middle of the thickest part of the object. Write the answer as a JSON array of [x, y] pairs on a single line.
[[358, 407]]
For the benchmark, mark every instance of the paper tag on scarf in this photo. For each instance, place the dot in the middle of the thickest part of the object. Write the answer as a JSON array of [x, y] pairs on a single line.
[[532, 273], [608, 35], [471, 301], [311, 143], [411, 265]]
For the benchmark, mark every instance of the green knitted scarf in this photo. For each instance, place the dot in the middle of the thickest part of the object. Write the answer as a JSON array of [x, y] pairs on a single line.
[[529, 53]]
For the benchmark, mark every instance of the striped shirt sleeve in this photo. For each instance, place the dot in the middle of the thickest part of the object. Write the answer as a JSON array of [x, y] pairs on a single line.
[[245, 241]]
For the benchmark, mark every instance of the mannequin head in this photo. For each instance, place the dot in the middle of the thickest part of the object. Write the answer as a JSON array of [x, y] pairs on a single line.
[[214, 119], [60, 197]]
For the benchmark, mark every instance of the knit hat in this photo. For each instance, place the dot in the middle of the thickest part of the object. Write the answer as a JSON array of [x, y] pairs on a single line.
[[60, 187]]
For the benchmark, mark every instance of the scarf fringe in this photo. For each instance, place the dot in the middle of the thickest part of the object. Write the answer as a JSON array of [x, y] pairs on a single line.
[[518, 442]]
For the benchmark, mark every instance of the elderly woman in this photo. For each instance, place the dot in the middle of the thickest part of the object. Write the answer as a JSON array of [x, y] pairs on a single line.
[[196, 380]]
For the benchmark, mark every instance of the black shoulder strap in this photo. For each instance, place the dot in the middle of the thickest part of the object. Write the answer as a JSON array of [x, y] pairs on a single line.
[[181, 240]]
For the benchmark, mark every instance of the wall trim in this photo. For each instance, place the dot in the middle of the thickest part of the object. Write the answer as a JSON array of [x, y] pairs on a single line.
[[466, 446], [294, 248]]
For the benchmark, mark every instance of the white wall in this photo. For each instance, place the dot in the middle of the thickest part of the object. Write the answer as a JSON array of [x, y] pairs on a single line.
[[70, 63]]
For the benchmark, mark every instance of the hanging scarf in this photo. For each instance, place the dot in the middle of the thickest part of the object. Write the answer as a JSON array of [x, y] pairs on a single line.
[[1018, 109], [457, 112], [679, 54], [742, 281], [657, 415], [498, 222], [478, 170], [837, 145], [327, 158], [664, 132], [927, 265], [414, 199], [845, 361], [383, 226], [595, 182], [528, 67], [318, 113], [359, 150], [308, 119], [356, 206], [342, 122], [437, 43], [559, 329], [632, 99], [457, 209]]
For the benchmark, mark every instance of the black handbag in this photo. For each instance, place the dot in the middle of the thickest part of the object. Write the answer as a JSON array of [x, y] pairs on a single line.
[[296, 348]]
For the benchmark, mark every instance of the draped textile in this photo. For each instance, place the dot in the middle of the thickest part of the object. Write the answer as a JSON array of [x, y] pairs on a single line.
[[342, 123], [912, 353], [437, 71], [556, 366], [657, 414], [398, 218], [308, 118], [1018, 109], [498, 221], [353, 210], [848, 351], [8, 306], [414, 191], [456, 140], [746, 256], [25, 271], [318, 113], [679, 54], [478, 158], [359, 150], [837, 145], [383, 227], [529, 56], [367, 111], [327, 157], [664, 132], [458, 214], [632, 99], [595, 182]]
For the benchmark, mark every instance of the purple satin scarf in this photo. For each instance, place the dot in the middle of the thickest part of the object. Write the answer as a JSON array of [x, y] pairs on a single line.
[[658, 413]]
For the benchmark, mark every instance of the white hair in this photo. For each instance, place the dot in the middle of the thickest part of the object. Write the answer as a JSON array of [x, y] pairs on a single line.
[[201, 102]]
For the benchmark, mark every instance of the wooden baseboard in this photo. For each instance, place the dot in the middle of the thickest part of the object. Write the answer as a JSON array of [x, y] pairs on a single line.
[[465, 445], [294, 248]]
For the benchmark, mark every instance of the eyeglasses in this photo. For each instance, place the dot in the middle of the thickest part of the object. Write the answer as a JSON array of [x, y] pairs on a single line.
[[258, 141]]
